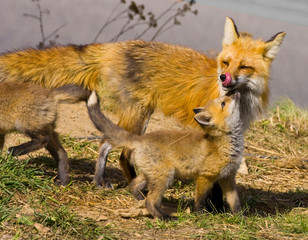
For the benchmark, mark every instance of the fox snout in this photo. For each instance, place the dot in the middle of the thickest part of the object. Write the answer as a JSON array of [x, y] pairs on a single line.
[[226, 79]]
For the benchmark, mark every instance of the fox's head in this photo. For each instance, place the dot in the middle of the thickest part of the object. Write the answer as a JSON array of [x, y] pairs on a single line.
[[244, 63], [220, 115]]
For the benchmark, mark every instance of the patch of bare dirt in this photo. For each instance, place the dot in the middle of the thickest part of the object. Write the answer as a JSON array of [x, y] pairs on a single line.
[[74, 120]]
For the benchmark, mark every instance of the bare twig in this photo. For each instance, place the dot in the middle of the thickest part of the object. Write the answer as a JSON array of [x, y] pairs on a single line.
[[109, 21], [40, 18], [133, 10], [155, 20], [54, 32], [126, 29], [91, 138], [262, 150], [181, 11]]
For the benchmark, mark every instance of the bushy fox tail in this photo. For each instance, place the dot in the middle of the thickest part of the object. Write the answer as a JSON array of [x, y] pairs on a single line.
[[71, 94], [114, 134]]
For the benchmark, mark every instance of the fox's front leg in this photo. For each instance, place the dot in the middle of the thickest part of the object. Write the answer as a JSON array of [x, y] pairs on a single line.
[[203, 186], [157, 186], [214, 199], [229, 189]]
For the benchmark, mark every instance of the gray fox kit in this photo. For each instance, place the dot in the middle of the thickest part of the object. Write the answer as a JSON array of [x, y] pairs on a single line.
[[212, 155], [32, 110]]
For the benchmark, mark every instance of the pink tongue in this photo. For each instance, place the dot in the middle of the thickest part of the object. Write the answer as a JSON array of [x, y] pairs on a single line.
[[228, 80]]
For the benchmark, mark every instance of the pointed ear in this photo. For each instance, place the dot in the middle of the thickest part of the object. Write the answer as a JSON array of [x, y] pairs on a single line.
[[199, 109], [231, 34], [272, 45], [203, 119]]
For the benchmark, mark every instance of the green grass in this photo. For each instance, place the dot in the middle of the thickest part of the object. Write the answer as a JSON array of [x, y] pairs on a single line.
[[23, 186], [33, 207], [289, 112], [17, 177]]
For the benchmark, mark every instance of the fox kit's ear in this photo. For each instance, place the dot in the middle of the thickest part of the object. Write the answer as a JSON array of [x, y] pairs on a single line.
[[203, 119], [272, 45], [231, 34]]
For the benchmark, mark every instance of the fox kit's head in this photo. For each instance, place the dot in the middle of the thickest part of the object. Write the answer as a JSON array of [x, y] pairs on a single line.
[[244, 63], [220, 115]]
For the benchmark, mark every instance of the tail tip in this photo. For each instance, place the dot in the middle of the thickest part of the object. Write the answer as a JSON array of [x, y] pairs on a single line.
[[92, 99]]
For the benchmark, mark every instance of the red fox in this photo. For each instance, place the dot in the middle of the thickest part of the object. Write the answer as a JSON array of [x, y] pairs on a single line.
[[209, 156], [32, 110], [143, 76]]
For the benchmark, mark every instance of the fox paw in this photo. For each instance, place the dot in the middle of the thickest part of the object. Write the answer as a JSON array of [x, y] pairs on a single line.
[[105, 184], [139, 211]]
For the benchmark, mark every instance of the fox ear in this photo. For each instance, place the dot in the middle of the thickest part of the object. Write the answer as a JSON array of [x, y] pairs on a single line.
[[231, 34], [272, 45], [203, 119]]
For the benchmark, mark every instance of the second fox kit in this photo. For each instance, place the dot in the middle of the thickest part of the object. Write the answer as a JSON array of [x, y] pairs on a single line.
[[162, 156], [32, 110]]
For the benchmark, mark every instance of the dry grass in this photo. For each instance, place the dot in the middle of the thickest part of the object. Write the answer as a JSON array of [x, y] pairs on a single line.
[[274, 193]]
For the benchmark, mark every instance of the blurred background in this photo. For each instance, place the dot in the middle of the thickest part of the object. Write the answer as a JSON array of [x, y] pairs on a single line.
[[32, 23]]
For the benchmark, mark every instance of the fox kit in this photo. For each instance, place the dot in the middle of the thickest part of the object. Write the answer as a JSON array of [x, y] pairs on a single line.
[[32, 110], [209, 156], [143, 76]]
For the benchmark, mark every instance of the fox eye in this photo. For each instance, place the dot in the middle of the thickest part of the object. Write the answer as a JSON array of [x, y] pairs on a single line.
[[225, 63], [223, 104], [245, 67]]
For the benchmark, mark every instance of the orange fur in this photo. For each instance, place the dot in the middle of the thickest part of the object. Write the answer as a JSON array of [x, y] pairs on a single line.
[[143, 76]]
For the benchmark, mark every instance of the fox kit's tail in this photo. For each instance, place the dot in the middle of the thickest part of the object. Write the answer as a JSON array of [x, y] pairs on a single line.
[[71, 94], [115, 135]]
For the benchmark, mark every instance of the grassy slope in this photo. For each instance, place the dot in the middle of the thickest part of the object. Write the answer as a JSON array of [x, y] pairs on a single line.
[[274, 194]]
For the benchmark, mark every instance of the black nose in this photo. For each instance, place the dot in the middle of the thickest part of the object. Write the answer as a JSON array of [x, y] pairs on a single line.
[[222, 77]]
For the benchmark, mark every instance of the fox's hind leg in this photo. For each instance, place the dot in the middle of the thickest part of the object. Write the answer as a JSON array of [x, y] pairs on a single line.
[[137, 124], [134, 120], [101, 166], [137, 185], [36, 143], [56, 150], [127, 168]]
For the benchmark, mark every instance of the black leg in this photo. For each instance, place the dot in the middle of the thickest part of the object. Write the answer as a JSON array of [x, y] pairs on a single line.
[[214, 201], [56, 150], [34, 144], [101, 166]]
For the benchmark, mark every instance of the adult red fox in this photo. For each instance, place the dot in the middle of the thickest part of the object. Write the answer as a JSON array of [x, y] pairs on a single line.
[[32, 110], [143, 76], [162, 156]]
